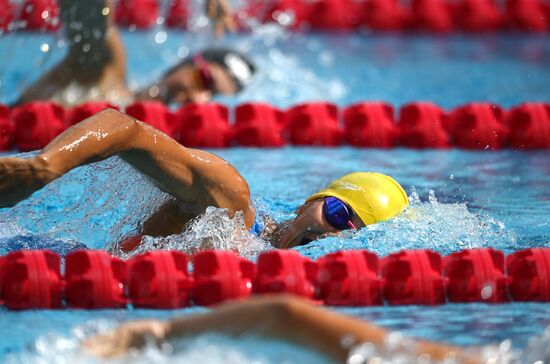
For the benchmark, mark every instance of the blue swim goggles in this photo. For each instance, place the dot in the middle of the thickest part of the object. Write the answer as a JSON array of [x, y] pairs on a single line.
[[338, 214]]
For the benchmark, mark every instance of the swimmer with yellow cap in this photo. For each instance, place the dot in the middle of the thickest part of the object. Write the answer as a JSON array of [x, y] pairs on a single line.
[[196, 179], [352, 201]]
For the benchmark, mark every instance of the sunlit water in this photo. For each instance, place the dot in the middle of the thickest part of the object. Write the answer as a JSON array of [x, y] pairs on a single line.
[[458, 199]]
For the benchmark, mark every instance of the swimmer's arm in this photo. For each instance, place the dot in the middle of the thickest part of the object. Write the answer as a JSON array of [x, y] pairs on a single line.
[[279, 317], [190, 175], [95, 49]]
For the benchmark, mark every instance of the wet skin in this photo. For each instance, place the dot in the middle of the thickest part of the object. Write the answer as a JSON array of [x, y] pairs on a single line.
[[195, 178]]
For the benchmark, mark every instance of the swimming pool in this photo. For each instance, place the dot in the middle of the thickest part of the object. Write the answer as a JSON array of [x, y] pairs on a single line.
[[497, 199]]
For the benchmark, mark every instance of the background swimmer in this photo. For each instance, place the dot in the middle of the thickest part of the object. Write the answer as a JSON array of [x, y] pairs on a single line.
[[282, 317], [197, 179], [95, 64]]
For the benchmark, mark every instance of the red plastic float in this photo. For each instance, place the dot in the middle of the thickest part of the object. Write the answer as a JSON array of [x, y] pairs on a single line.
[[370, 124], [159, 280], [94, 279], [285, 271], [529, 125], [40, 15], [36, 124], [313, 124], [258, 125], [290, 13], [178, 14], [529, 275], [6, 129], [156, 114], [478, 126], [142, 14], [385, 15], [412, 277], [475, 275], [478, 15], [431, 15], [221, 275], [6, 15], [527, 15], [84, 111], [334, 14], [421, 125], [349, 278], [31, 280], [204, 125]]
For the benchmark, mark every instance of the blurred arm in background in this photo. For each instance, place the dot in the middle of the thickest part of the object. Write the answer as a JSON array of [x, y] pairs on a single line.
[[95, 64]]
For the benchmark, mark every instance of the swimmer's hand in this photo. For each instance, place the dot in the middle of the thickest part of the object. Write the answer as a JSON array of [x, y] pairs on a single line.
[[219, 12], [132, 335], [20, 178]]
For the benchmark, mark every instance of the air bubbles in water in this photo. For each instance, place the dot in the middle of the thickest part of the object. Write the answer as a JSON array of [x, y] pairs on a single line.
[[161, 37], [285, 18], [183, 52]]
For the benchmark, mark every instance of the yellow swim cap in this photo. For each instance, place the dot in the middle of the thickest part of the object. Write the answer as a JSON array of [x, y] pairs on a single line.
[[373, 196]]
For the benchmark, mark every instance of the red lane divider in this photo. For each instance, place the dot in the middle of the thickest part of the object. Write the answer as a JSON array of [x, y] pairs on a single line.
[[7, 15], [528, 15], [412, 277], [259, 125], [422, 125], [432, 16], [439, 16], [285, 271], [31, 279], [480, 125], [370, 124], [529, 125], [478, 15], [204, 125], [314, 123], [142, 14], [39, 15], [529, 275], [7, 129], [94, 279], [349, 278], [36, 124], [159, 280], [475, 275], [220, 276], [178, 13]]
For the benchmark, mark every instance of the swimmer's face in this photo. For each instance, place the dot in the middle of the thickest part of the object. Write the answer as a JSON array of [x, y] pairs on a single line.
[[185, 84], [309, 224]]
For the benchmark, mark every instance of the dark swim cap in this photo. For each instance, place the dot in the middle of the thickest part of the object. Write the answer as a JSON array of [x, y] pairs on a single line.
[[239, 67]]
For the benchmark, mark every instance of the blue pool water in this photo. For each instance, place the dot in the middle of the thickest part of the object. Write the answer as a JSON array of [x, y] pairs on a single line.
[[497, 199]]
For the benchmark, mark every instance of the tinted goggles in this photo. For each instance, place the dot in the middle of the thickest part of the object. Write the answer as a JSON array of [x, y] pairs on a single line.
[[338, 214], [204, 72]]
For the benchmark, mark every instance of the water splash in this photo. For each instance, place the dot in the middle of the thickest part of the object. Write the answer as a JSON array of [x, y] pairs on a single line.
[[214, 229], [445, 228]]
